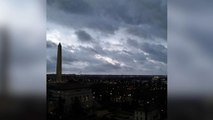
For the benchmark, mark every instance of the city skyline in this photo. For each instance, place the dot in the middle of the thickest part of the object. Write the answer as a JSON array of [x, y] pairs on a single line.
[[100, 38]]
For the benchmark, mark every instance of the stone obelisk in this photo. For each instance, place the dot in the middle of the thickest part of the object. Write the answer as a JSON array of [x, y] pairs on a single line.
[[59, 64]]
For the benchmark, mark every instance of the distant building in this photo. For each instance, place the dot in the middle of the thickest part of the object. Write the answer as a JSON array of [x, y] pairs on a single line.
[[119, 116], [150, 114], [69, 94]]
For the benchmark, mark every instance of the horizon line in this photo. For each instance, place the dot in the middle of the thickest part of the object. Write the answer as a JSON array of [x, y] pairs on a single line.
[[108, 74]]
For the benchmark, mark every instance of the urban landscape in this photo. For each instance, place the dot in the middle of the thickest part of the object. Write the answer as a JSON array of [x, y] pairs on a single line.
[[105, 97], [106, 59]]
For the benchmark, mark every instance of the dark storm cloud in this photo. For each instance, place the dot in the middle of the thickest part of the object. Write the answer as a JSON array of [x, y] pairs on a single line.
[[73, 6], [132, 27], [51, 65], [102, 67], [109, 15], [83, 36], [83, 54], [156, 52], [68, 57], [86, 55], [50, 44], [148, 31], [132, 42]]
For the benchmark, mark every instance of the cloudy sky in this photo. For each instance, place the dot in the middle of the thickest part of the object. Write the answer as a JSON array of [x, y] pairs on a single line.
[[108, 36]]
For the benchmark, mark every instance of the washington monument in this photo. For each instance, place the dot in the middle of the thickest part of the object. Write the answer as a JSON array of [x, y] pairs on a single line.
[[59, 64]]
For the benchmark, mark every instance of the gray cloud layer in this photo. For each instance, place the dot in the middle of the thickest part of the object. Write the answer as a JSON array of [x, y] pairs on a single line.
[[83, 36], [108, 37]]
